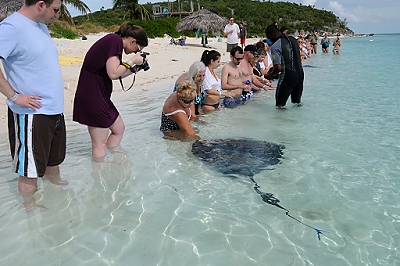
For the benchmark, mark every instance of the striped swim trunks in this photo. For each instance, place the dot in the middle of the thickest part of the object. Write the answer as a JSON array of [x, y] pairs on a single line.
[[36, 141]]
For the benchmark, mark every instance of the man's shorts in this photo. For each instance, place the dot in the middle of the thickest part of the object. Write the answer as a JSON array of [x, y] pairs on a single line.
[[242, 40], [230, 46], [229, 102], [36, 141]]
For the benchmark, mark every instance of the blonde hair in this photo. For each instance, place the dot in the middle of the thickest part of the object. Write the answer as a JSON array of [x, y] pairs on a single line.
[[186, 90]]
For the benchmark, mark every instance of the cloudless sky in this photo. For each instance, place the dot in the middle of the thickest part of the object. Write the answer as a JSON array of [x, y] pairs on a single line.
[[363, 16]]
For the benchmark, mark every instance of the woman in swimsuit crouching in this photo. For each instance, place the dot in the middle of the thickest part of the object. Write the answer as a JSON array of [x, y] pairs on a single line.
[[177, 113], [212, 83]]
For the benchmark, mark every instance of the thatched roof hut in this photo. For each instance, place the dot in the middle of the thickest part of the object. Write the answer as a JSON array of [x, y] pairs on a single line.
[[7, 7], [204, 20]]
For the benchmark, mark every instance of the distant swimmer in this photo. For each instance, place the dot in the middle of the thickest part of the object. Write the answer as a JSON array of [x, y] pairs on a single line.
[[325, 43], [337, 43]]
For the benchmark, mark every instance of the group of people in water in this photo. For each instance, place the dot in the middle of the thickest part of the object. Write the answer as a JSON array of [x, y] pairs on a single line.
[[309, 43], [200, 90], [249, 71], [37, 110]]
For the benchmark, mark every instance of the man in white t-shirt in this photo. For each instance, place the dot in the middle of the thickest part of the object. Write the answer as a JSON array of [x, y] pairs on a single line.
[[231, 32], [33, 85]]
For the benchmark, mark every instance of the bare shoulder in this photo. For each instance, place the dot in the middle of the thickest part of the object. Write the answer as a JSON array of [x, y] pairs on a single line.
[[181, 78]]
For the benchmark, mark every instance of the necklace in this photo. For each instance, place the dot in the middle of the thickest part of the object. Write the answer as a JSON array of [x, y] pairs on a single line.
[[213, 74]]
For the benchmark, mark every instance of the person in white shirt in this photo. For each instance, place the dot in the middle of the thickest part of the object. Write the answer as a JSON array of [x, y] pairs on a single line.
[[231, 32], [212, 83]]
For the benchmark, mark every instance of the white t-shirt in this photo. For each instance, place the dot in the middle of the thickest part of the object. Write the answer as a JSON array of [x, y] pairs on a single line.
[[30, 60], [210, 82], [269, 58], [233, 37], [261, 65]]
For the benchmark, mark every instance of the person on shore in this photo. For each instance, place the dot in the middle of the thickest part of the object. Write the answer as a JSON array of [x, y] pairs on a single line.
[[177, 113], [231, 32], [33, 85], [231, 79], [242, 35], [314, 42], [204, 40], [287, 65], [196, 74], [212, 83], [337, 43], [325, 43], [102, 64]]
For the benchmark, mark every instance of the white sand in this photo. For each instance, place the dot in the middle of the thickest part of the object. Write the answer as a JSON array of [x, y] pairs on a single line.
[[166, 62]]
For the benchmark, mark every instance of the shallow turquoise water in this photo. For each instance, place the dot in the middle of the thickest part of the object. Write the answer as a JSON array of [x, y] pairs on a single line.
[[160, 205]]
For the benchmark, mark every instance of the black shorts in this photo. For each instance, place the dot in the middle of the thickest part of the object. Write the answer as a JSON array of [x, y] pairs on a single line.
[[36, 141]]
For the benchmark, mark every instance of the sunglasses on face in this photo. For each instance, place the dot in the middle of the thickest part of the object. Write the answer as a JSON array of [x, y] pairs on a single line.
[[239, 58], [187, 101], [56, 10]]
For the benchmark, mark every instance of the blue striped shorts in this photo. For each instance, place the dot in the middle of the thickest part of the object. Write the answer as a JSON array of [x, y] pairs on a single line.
[[36, 141]]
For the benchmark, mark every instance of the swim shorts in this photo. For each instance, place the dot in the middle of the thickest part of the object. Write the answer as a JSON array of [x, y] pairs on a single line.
[[36, 141], [231, 102]]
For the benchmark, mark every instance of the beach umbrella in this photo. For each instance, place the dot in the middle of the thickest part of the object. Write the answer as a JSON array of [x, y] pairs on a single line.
[[204, 20], [7, 7]]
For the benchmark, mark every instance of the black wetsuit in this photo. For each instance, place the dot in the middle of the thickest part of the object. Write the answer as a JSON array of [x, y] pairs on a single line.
[[285, 51]]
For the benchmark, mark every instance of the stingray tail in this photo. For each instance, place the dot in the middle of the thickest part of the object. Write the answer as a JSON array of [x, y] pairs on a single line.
[[270, 199]]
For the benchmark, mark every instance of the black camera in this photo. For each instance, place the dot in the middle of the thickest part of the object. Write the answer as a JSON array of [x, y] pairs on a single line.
[[145, 65]]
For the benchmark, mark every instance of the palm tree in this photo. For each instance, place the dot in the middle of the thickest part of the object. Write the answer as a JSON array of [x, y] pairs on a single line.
[[133, 8], [78, 4]]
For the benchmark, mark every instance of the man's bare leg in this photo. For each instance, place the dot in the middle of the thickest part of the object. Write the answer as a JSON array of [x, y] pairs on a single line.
[[27, 188], [53, 174]]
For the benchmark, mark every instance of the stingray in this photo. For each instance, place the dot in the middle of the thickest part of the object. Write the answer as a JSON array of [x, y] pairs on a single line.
[[244, 157]]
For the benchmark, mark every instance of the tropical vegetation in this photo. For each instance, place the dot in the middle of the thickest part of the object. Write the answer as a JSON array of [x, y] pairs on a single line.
[[78, 4], [255, 14]]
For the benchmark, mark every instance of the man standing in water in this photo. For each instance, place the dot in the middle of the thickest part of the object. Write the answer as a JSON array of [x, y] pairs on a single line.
[[287, 64], [35, 96]]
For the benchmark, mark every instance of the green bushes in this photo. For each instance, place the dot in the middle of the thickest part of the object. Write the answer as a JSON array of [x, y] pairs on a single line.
[[159, 27], [60, 29], [256, 15]]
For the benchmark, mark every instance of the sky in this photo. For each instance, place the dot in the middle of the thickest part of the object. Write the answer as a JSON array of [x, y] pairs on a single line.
[[362, 16]]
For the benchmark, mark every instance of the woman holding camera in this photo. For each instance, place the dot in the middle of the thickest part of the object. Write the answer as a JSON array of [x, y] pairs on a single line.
[[102, 64]]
